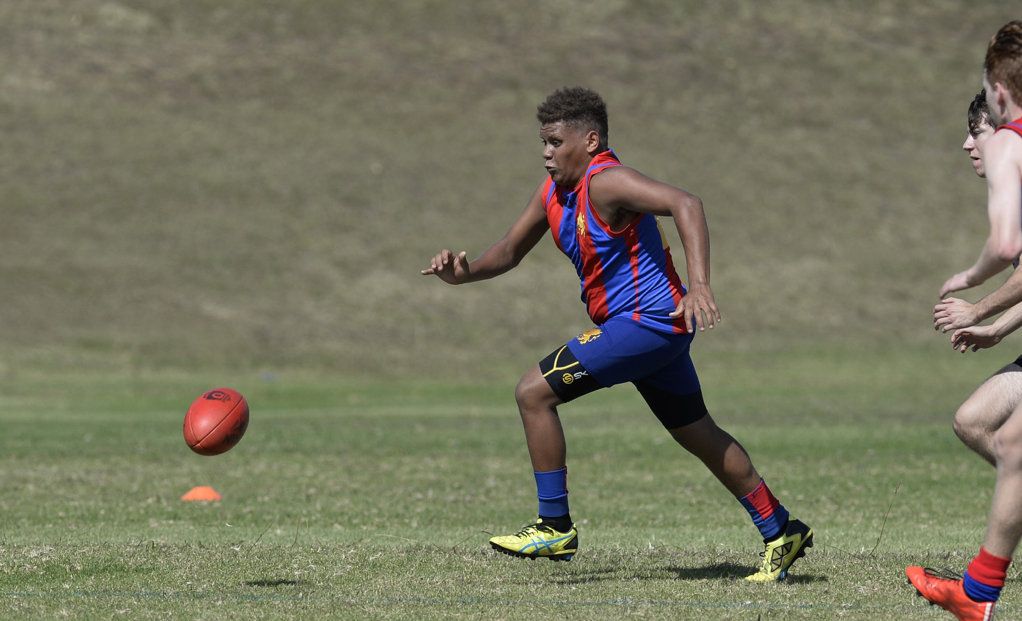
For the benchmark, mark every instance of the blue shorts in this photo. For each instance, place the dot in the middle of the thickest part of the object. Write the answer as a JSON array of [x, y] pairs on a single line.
[[621, 350]]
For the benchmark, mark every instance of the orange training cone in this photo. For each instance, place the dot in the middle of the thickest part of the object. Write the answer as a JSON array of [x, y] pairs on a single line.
[[202, 493]]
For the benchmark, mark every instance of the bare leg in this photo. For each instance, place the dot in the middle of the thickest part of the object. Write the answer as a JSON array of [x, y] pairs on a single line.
[[990, 423], [721, 453], [537, 404], [983, 413], [1004, 527]]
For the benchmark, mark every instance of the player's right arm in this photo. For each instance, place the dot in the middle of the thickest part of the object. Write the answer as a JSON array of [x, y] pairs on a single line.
[[524, 234], [982, 337], [991, 260], [1005, 241]]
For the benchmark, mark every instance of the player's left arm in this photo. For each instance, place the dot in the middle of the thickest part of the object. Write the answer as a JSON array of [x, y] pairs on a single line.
[[623, 188], [1004, 181]]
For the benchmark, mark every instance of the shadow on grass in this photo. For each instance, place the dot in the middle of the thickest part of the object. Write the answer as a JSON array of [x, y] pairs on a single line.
[[719, 571], [711, 572], [730, 571], [274, 583], [587, 577]]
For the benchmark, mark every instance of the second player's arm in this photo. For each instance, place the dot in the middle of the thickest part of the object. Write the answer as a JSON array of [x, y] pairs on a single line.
[[1006, 296], [982, 337], [1004, 181], [1001, 248], [1004, 188], [1004, 243], [624, 188]]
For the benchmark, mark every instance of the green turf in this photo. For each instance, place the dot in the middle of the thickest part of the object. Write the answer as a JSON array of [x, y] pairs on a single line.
[[214, 192], [354, 499]]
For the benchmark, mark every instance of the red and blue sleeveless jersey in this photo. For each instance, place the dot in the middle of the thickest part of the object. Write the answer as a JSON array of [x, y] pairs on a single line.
[[625, 272], [1015, 126]]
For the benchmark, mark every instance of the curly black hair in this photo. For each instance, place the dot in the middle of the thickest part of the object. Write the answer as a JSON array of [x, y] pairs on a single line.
[[575, 106], [979, 113]]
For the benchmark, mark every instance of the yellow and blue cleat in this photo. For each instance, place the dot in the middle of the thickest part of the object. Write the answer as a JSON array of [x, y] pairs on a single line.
[[781, 553], [538, 540]]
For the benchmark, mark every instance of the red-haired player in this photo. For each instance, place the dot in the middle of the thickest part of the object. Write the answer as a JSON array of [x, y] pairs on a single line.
[[990, 421]]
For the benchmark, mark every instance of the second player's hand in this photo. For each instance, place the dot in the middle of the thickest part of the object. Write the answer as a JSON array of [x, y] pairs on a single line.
[[449, 267], [952, 314], [698, 307], [956, 283], [975, 338]]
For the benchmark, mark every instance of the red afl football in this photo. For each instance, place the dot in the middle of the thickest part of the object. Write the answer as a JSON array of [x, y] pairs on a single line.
[[216, 421]]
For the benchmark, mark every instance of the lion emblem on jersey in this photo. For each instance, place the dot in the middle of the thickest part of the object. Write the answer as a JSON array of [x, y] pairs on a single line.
[[589, 335], [580, 224]]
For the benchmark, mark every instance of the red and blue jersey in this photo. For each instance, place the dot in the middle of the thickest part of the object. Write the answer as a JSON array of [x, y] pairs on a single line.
[[1015, 126], [625, 272]]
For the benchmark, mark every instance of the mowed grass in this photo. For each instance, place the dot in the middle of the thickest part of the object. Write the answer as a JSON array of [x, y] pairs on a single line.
[[203, 184], [374, 499]]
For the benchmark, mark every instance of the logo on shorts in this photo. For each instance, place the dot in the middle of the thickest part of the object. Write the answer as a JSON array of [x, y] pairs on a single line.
[[569, 378], [580, 224], [589, 335]]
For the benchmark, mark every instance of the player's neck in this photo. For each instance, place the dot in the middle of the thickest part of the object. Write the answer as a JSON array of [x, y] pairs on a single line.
[[1012, 111], [573, 183]]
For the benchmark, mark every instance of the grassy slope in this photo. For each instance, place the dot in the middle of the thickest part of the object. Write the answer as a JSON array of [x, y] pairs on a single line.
[[216, 184]]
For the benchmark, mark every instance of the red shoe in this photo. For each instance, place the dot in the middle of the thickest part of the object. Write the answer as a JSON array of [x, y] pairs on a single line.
[[947, 592]]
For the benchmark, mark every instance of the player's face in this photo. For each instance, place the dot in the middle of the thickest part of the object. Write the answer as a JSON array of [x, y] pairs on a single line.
[[566, 152], [975, 144]]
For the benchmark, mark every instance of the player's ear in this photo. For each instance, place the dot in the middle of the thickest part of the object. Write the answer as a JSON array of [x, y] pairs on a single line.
[[592, 141], [1004, 96], [1001, 95]]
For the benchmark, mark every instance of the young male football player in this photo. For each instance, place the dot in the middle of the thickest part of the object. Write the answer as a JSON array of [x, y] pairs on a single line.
[[983, 412], [980, 129], [603, 217], [990, 422]]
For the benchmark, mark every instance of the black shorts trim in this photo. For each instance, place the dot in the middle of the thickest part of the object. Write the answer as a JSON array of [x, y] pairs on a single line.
[[671, 409], [566, 375]]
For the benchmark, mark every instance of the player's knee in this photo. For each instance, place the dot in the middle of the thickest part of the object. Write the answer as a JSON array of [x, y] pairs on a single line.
[[531, 393], [522, 394], [1007, 447], [968, 422], [963, 425]]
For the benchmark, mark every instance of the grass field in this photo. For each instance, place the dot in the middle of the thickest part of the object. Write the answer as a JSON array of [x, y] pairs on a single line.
[[356, 499], [221, 192]]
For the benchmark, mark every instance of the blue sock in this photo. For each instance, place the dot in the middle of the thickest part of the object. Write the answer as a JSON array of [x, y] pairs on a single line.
[[769, 515], [984, 578], [552, 490], [979, 592]]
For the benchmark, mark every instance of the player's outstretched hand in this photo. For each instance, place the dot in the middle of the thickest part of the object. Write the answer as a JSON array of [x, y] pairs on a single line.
[[449, 267], [956, 283], [975, 338], [698, 307], [952, 314]]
